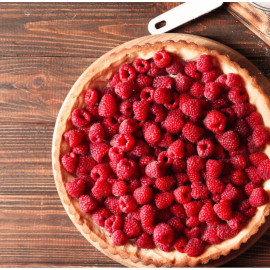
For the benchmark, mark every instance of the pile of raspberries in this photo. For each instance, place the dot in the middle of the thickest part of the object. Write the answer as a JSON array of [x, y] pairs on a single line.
[[168, 155]]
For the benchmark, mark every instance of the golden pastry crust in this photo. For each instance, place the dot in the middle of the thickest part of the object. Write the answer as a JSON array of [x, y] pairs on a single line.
[[97, 75]]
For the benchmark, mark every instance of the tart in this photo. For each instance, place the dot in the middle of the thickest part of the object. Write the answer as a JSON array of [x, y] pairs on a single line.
[[160, 155]]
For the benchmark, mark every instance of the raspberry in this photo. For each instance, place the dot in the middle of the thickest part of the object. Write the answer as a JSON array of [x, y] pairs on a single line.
[[140, 109], [194, 176], [214, 168], [75, 187], [147, 94], [192, 132], [81, 149], [100, 215], [234, 80], [84, 165], [237, 221], [115, 80], [178, 210], [162, 59], [210, 76], [230, 193], [229, 140], [113, 223], [175, 66], [111, 126], [194, 232], [125, 89], [73, 137], [176, 149], [176, 224], [249, 188], [194, 247], [112, 203], [258, 197], [199, 191], [99, 151], [158, 112], [163, 234], [174, 122], [132, 185], [126, 73], [80, 117], [204, 63], [140, 148], [220, 152], [147, 181], [221, 81], [183, 98], [126, 108], [119, 238], [87, 203], [163, 82], [107, 106], [224, 231], [243, 109], [238, 177], [238, 95], [119, 188], [256, 158], [212, 91], [254, 119], [260, 135], [215, 186], [193, 208], [128, 126], [221, 104], [102, 189], [151, 133], [132, 227], [163, 247], [164, 200], [191, 70], [178, 165], [69, 162], [125, 168], [197, 90], [145, 241], [215, 121], [182, 83], [192, 107], [141, 65], [142, 81], [205, 148], [96, 133], [115, 154], [238, 162], [164, 159], [143, 195], [165, 183], [180, 244], [223, 210], [147, 215], [154, 70], [127, 204], [195, 163], [207, 213], [162, 96], [210, 236], [124, 142], [91, 97], [253, 175], [182, 194], [101, 172], [181, 179]]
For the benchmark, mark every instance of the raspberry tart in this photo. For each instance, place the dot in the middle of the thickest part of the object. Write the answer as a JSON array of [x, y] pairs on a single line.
[[161, 155]]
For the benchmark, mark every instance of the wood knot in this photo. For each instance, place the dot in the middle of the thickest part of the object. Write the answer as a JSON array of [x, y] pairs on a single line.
[[39, 81]]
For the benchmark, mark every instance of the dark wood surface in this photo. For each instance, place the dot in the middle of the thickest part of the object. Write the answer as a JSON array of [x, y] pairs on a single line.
[[44, 47]]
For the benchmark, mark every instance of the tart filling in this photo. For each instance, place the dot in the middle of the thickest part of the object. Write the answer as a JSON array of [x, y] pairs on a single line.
[[168, 153]]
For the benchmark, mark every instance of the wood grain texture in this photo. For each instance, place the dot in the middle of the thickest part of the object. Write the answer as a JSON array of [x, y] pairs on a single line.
[[43, 49]]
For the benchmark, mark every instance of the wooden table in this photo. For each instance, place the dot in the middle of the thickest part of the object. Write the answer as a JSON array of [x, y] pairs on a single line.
[[43, 50]]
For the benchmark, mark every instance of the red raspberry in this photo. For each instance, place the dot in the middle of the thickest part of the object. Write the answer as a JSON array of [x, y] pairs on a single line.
[[220, 152], [128, 126], [114, 80], [175, 66], [176, 224], [73, 137], [69, 162], [163, 234], [151, 133], [182, 194], [124, 142], [75, 187], [165, 183], [102, 189], [145, 241], [234, 80], [194, 247], [147, 94], [178, 210], [212, 91], [199, 191], [81, 149], [192, 132], [140, 148], [192, 232], [253, 175], [178, 165], [174, 122], [230, 193], [111, 126], [126, 108], [238, 162], [87, 203], [115, 154], [197, 90], [154, 70], [107, 91], [125, 89], [125, 168], [221, 81], [164, 159], [210, 236], [207, 213], [162, 96], [140, 109], [205, 148], [100, 215], [256, 158], [91, 97], [96, 133], [119, 188], [254, 119], [164, 200], [193, 208], [223, 210], [142, 81], [183, 98], [229, 140], [194, 176], [215, 186], [222, 104], [101, 172], [80, 117], [147, 181], [238, 177], [113, 223], [143, 195], [107, 106], [191, 70], [182, 83], [192, 107], [214, 168], [119, 238], [112, 203], [210, 76], [162, 59], [237, 221], [204, 63], [99, 151], [141, 65], [84, 165], [132, 227], [258, 197], [181, 179], [176, 149], [195, 163], [260, 135], [147, 215], [127, 204], [215, 121], [180, 244], [126, 73], [249, 188], [163, 82], [158, 112], [243, 109], [224, 231], [238, 95]]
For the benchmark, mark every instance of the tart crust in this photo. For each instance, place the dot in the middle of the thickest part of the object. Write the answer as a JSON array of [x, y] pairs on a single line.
[[96, 76]]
